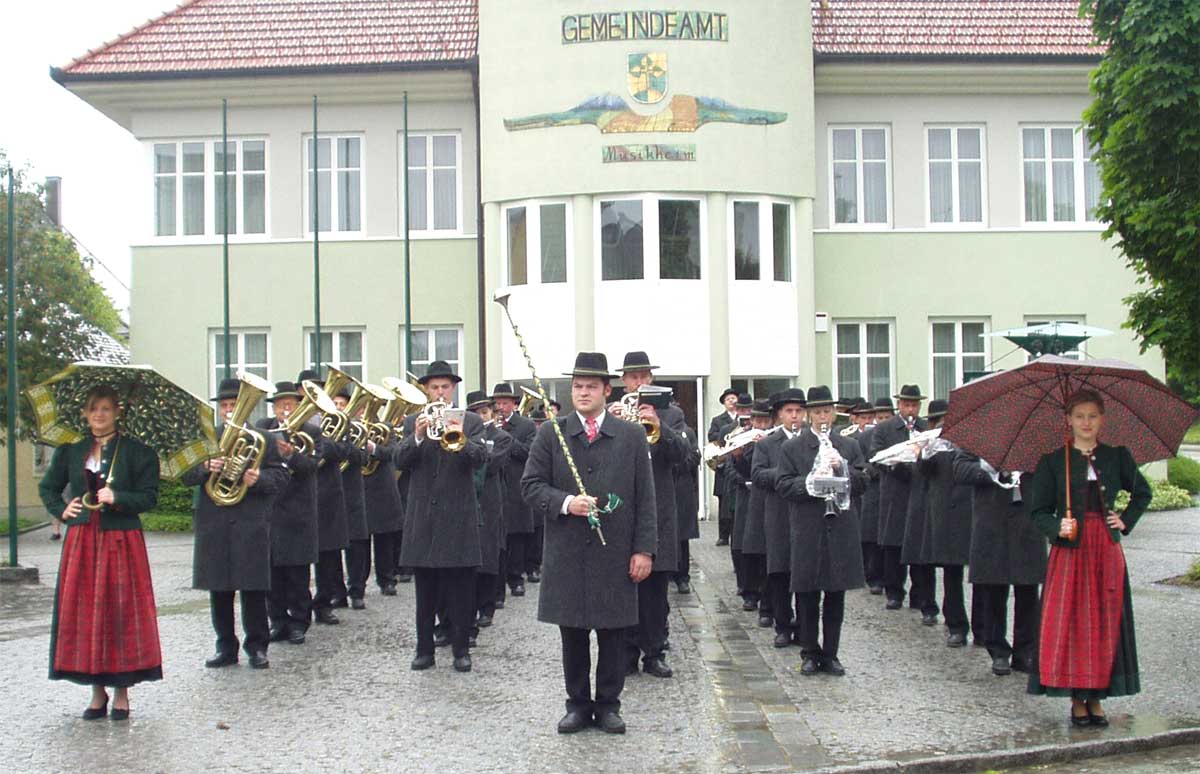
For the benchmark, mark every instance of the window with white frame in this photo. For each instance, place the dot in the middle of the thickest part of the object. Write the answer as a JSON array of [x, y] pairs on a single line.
[[339, 183], [535, 244], [434, 182], [958, 347], [1077, 353], [656, 236], [246, 196], [179, 188], [860, 175], [761, 387], [761, 236], [249, 351], [430, 344], [863, 354], [188, 180], [343, 348], [955, 182], [1061, 183]]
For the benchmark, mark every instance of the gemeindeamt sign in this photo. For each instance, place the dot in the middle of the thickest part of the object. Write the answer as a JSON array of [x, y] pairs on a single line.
[[645, 25]]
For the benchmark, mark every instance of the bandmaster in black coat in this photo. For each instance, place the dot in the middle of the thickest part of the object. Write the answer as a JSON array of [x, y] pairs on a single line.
[[441, 520], [777, 529], [826, 553], [518, 517], [294, 512], [586, 585], [491, 501], [332, 528], [232, 546], [893, 480], [1006, 547]]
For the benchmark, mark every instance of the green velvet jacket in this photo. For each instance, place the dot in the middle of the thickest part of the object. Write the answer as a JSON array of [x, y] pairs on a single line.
[[1116, 471], [134, 483]]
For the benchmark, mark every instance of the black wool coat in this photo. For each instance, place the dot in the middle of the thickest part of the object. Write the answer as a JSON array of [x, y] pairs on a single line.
[[585, 584], [893, 480], [718, 428], [1006, 547], [754, 538], [737, 482], [948, 526], [491, 499], [777, 528], [687, 492], [441, 520], [355, 493], [664, 456], [518, 517], [294, 512], [381, 496], [826, 553], [333, 532], [868, 504], [232, 546], [915, 549]]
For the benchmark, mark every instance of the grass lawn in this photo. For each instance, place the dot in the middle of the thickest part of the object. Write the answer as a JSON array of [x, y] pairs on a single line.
[[22, 525], [166, 522]]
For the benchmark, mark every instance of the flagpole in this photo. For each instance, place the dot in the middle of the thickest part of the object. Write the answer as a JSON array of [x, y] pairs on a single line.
[[10, 294], [408, 336], [225, 227], [316, 227]]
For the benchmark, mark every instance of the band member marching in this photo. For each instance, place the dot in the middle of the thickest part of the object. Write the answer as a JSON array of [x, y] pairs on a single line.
[[491, 494], [687, 501], [358, 552], [868, 511], [748, 521], [518, 518], [718, 428]]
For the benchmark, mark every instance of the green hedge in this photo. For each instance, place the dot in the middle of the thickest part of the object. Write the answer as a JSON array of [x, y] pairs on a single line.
[[1184, 472], [22, 524], [155, 521], [1167, 497], [174, 497]]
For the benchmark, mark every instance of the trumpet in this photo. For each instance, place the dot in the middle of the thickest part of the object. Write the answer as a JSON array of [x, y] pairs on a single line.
[[629, 412], [405, 399], [439, 415], [735, 439], [292, 427], [242, 447]]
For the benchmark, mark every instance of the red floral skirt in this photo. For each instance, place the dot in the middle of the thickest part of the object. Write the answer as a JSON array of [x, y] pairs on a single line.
[[105, 627], [1082, 605]]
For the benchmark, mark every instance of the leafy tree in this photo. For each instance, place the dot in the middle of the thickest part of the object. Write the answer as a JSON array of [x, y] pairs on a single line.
[[57, 298], [1145, 121]]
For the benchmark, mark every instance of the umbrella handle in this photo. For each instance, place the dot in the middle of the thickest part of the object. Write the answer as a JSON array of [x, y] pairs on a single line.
[[1073, 532]]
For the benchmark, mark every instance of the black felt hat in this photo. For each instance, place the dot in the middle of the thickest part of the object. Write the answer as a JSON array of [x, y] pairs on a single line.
[[538, 415], [505, 390], [439, 369], [636, 361], [477, 398], [884, 404], [819, 396], [790, 395], [229, 388], [909, 392], [862, 407], [310, 375], [284, 390], [761, 408], [590, 364], [745, 401], [937, 408], [728, 391]]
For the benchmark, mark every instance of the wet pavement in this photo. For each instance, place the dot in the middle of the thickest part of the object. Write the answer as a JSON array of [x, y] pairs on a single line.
[[347, 700]]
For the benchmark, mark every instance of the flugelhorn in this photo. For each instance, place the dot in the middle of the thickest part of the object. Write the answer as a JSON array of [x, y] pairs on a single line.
[[439, 415], [629, 412], [241, 447]]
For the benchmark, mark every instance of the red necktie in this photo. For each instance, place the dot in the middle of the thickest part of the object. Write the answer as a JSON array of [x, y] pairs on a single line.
[[593, 429]]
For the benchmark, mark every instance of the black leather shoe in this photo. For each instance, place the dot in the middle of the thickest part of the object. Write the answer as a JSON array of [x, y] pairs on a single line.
[[1080, 721], [631, 668], [810, 667], [358, 604], [1020, 666], [1001, 667], [296, 637], [96, 713], [486, 620], [259, 660], [221, 659], [575, 720], [441, 639], [666, 645], [389, 589], [833, 667], [893, 604], [725, 541], [534, 576], [326, 616], [766, 621], [957, 640], [1100, 721], [404, 577], [120, 714], [340, 602], [657, 667], [462, 663], [930, 619], [472, 641], [878, 590], [519, 589], [278, 634], [783, 639], [610, 722], [686, 588], [500, 602], [750, 605], [422, 662]]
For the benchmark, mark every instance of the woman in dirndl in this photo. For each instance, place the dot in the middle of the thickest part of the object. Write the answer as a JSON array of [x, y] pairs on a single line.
[[1086, 646], [104, 630]]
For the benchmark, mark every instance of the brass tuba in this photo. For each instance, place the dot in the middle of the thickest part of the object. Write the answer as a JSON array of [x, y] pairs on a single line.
[[241, 447], [367, 398], [629, 412], [336, 424], [439, 414], [529, 401], [406, 399], [292, 427]]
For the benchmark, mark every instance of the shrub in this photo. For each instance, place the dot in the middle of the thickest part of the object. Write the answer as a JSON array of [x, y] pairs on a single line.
[[166, 522], [1166, 498], [1184, 472], [1193, 573], [174, 497]]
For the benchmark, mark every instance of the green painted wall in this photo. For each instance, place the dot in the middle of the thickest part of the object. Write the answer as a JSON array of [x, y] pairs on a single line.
[[1005, 277], [177, 300]]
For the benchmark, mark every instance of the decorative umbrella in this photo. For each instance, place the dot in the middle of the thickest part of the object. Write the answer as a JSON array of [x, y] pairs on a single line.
[[159, 413], [1012, 418], [1052, 338]]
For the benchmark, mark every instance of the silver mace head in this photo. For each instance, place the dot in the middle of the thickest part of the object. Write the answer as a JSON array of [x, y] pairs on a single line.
[[501, 298]]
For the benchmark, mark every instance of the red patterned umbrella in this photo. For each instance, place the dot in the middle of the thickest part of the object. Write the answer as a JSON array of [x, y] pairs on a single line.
[[1012, 418]]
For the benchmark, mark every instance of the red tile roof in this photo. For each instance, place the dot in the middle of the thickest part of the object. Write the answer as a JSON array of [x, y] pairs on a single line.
[[950, 28], [227, 36]]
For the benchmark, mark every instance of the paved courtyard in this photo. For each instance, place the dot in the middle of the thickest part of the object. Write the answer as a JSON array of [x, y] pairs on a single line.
[[347, 701]]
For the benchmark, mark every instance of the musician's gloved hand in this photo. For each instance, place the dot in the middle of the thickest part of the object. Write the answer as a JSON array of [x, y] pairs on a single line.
[[640, 566], [250, 476], [581, 506]]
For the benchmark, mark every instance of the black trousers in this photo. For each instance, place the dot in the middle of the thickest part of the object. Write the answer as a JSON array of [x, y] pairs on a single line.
[[453, 590], [1027, 611], [385, 557], [735, 556], [873, 564], [724, 520], [331, 585], [978, 616], [923, 594], [954, 603], [754, 578], [518, 546], [289, 603], [779, 594], [502, 577], [533, 553], [894, 573], [577, 668], [254, 620], [811, 615], [650, 635], [358, 567], [485, 593], [684, 573]]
